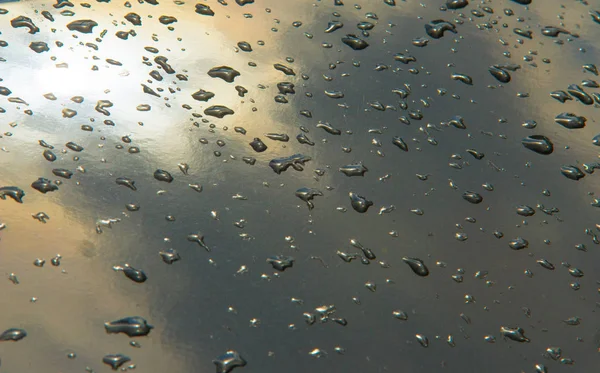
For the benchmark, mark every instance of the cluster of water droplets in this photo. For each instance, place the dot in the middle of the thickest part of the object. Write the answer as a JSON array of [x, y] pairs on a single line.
[[400, 129]]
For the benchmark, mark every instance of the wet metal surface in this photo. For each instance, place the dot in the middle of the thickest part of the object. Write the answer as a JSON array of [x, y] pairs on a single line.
[[300, 186]]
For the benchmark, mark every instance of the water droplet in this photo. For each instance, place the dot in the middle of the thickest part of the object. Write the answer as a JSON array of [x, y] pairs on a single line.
[[354, 42], [516, 334], [13, 192], [417, 266], [162, 175], [258, 145], [296, 161], [131, 273], [134, 18], [438, 27], [244, 46], [281, 262], [462, 78], [115, 361], [167, 20], [371, 286], [400, 315], [472, 197], [518, 243], [228, 361], [525, 210], [572, 321], [357, 169], [570, 120], [572, 172], [204, 10], [22, 21], [218, 111], [284, 69], [39, 46], [13, 334], [226, 73], [125, 181], [43, 185], [359, 203], [84, 26], [307, 195], [456, 4], [539, 144], [546, 264], [553, 353], [134, 326], [399, 142], [423, 341], [74, 147], [577, 92]]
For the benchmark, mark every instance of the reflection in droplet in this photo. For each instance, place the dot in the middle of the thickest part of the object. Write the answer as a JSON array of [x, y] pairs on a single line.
[[516, 334], [131, 326], [13, 334], [115, 361], [417, 266], [84, 26], [228, 361], [539, 144], [359, 203]]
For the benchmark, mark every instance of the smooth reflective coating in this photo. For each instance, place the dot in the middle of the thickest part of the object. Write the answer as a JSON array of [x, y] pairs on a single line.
[[279, 185]]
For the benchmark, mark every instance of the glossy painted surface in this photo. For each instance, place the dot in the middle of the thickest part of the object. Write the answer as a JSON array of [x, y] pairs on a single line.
[[231, 298]]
